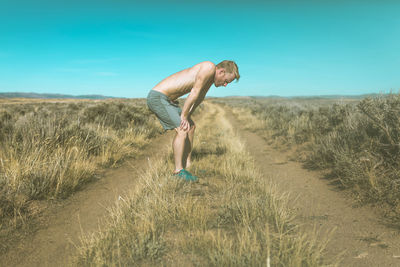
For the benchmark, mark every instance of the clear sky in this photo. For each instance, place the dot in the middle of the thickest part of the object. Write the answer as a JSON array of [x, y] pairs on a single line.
[[124, 48]]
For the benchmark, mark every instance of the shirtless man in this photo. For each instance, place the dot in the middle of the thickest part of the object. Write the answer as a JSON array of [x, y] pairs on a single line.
[[162, 101]]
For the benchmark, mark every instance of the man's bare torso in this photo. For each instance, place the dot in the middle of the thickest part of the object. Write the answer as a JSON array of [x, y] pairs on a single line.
[[181, 83]]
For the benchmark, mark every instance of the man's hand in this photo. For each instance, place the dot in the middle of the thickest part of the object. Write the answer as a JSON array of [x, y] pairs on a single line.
[[185, 125]]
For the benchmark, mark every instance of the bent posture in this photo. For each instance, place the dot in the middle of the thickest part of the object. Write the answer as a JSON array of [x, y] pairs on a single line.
[[162, 101]]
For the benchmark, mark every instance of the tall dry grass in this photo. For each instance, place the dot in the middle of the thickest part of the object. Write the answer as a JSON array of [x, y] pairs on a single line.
[[232, 217], [359, 142], [49, 150]]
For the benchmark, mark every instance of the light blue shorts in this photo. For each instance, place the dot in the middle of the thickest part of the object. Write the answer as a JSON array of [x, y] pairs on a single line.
[[168, 112]]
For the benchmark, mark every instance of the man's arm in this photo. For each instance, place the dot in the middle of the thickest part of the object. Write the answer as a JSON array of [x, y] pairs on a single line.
[[197, 93], [197, 102]]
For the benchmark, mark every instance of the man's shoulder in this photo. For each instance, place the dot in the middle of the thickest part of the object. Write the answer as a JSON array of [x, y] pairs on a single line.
[[207, 65], [206, 68]]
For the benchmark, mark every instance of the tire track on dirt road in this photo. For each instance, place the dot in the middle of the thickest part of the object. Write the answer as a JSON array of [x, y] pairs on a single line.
[[359, 236], [61, 226]]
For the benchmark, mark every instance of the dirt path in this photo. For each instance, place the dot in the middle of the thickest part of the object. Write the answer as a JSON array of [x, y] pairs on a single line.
[[358, 235], [62, 227]]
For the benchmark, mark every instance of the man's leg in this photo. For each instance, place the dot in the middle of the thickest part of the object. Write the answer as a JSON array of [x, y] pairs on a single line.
[[187, 160], [178, 145]]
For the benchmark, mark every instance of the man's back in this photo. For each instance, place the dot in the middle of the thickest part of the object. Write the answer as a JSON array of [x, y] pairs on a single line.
[[182, 82]]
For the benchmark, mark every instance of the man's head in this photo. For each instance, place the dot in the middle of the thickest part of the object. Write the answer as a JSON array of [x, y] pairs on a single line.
[[225, 72]]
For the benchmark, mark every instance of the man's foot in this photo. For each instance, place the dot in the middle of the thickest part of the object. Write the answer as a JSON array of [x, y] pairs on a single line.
[[184, 174]]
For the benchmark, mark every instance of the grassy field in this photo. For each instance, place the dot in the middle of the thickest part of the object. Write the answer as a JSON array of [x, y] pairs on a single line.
[[232, 217], [358, 141], [49, 148]]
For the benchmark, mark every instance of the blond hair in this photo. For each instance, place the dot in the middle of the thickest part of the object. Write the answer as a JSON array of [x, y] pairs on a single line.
[[230, 67]]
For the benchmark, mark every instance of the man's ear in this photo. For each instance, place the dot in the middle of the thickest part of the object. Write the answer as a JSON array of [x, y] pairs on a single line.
[[221, 71]]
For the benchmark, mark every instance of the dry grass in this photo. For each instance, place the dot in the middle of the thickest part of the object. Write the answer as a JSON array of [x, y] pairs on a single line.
[[48, 150], [358, 142], [232, 217]]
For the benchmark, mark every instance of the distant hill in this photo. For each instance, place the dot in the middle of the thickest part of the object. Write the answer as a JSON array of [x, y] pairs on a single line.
[[321, 96], [49, 96], [303, 97], [62, 96]]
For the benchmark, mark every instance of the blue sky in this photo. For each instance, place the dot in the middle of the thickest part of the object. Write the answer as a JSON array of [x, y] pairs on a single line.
[[123, 48]]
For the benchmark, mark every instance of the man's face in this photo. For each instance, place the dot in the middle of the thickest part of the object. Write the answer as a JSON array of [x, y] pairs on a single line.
[[223, 78]]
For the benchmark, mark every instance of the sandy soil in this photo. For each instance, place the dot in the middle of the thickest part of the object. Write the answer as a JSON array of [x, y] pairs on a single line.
[[359, 236], [62, 225]]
